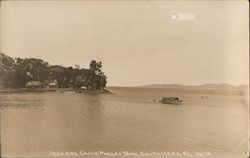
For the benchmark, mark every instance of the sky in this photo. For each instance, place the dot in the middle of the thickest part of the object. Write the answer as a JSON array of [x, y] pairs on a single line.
[[138, 42]]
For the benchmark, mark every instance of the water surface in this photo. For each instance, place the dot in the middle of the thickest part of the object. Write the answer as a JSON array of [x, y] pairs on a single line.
[[34, 124]]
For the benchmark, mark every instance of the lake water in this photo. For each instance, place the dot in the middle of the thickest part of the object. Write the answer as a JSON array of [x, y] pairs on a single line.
[[51, 124]]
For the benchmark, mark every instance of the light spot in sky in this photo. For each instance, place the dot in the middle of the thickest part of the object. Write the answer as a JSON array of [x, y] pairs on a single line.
[[174, 17]]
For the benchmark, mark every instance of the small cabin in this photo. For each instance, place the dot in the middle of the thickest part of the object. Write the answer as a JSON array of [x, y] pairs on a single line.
[[53, 84], [50, 84], [33, 84]]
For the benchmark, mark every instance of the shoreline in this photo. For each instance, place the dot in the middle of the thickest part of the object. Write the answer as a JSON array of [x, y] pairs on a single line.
[[58, 90]]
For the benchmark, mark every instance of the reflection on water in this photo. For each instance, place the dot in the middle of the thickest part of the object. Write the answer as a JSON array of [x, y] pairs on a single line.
[[13, 101], [22, 104], [32, 124]]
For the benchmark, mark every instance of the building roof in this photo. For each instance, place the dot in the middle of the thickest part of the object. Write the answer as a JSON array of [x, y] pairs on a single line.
[[33, 83], [52, 84]]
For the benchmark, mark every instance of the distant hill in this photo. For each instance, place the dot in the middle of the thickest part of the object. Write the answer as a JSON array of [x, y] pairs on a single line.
[[210, 86], [217, 86]]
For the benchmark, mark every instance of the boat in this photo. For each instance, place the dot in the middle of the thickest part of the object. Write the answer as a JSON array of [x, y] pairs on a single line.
[[171, 100]]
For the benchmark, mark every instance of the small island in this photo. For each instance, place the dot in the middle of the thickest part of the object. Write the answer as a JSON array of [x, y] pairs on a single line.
[[31, 74]]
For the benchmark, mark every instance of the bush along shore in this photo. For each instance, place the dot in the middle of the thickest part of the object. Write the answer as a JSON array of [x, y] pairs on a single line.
[[36, 75]]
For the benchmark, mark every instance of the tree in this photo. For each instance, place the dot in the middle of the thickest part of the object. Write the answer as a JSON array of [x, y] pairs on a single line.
[[17, 72], [98, 77]]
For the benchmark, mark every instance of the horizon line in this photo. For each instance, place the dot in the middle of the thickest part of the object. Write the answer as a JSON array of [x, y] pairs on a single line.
[[179, 84]]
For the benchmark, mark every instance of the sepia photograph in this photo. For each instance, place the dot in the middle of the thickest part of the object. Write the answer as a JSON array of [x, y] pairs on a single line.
[[124, 79]]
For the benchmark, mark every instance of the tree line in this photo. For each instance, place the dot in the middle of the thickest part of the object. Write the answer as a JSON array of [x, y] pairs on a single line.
[[16, 72]]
